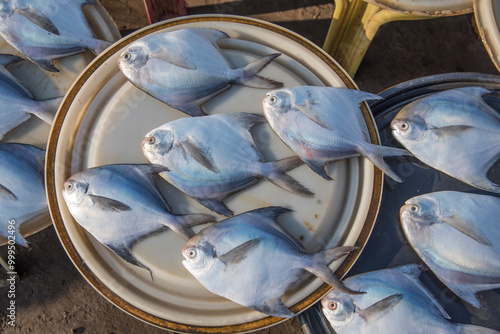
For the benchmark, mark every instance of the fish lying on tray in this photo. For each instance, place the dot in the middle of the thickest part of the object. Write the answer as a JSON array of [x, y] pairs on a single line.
[[120, 205], [251, 260], [45, 30], [457, 235], [395, 302], [325, 124], [22, 188], [18, 103], [455, 132], [185, 68], [215, 156]]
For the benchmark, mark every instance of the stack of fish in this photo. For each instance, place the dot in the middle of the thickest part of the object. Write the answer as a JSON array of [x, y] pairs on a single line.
[[41, 31]]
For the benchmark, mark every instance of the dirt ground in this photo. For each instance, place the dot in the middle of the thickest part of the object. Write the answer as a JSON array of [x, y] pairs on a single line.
[[52, 297]]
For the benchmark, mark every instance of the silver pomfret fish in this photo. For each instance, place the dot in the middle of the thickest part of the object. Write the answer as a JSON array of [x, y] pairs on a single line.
[[22, 187], [185, 68], [251, 260], [325, 124], [215, 156], [395, 302], [121, 205], [17, 103], [453, 131], [46, 30], [456, 234]]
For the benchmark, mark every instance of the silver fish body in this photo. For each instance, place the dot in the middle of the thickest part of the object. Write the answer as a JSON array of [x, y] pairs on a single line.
[[185, 68], [22, 188], [251, 260], [121, 205], [453, 131], [395, 302], [456, 234], [46, 30], [325, 124], [213, 157], [17, 103]]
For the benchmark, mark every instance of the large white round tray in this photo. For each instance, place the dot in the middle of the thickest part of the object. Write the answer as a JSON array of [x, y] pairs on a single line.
[[103, 120], [45, 85]]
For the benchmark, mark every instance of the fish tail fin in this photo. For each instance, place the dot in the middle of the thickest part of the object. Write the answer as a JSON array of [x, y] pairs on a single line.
[[46, 109], [377, 153], [185, 222], [474, 329], [247, 76], [277, 175], [319, 267]]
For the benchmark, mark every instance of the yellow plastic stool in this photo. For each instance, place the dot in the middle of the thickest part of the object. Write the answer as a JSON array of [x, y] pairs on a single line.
[[355, 23]]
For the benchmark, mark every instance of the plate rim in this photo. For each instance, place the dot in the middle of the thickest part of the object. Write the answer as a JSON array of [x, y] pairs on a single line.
[[114, 298]]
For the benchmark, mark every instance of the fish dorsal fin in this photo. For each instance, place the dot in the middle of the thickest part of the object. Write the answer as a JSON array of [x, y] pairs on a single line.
[[212, 35], [380, 308], [7, 194], [202, 156], [245, 120], [466, 228], [38, 18], [108, 204], [239, 253]]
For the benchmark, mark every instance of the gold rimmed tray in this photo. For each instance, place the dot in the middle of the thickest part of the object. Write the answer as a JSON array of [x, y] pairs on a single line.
[[45, 85], [103, 120]]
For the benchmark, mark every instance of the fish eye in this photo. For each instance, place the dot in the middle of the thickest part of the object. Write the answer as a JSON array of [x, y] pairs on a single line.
[[332, 306], [273, 99], [191, 253], [127, 56], [151, 140], [404, 126], [69, 187], [414, 208]]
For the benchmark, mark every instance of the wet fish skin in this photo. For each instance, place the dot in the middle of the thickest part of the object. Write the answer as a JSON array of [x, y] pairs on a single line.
[[121, 205], [213, 157], [453, 131], [18, 103], [456, 234], [22, 187], [395, 302], [44, 30], [325, 124], [185, 68], [251, 260]]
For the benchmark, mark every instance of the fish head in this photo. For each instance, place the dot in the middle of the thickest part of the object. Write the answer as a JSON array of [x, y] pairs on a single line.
[[199, 255], [339, 308], [420, 210], [409, 126], [277, 103], [133, 58], [157, 143], [74, 191]]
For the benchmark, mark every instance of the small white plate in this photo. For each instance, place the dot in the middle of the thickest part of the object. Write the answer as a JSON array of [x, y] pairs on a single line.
[[46, 85], [103, 120]]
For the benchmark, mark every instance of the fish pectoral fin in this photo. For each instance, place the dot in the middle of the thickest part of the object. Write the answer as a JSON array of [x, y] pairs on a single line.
[[108, 204], [7, 194], [46, 64], [38, 18], [380, 308], [450, 131], [239, 253], [275, 308], [200, 155], [172, 58], [313, 112], [464, 227]]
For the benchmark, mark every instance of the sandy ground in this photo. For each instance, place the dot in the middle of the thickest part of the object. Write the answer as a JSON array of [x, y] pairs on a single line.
[[52, 297]]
